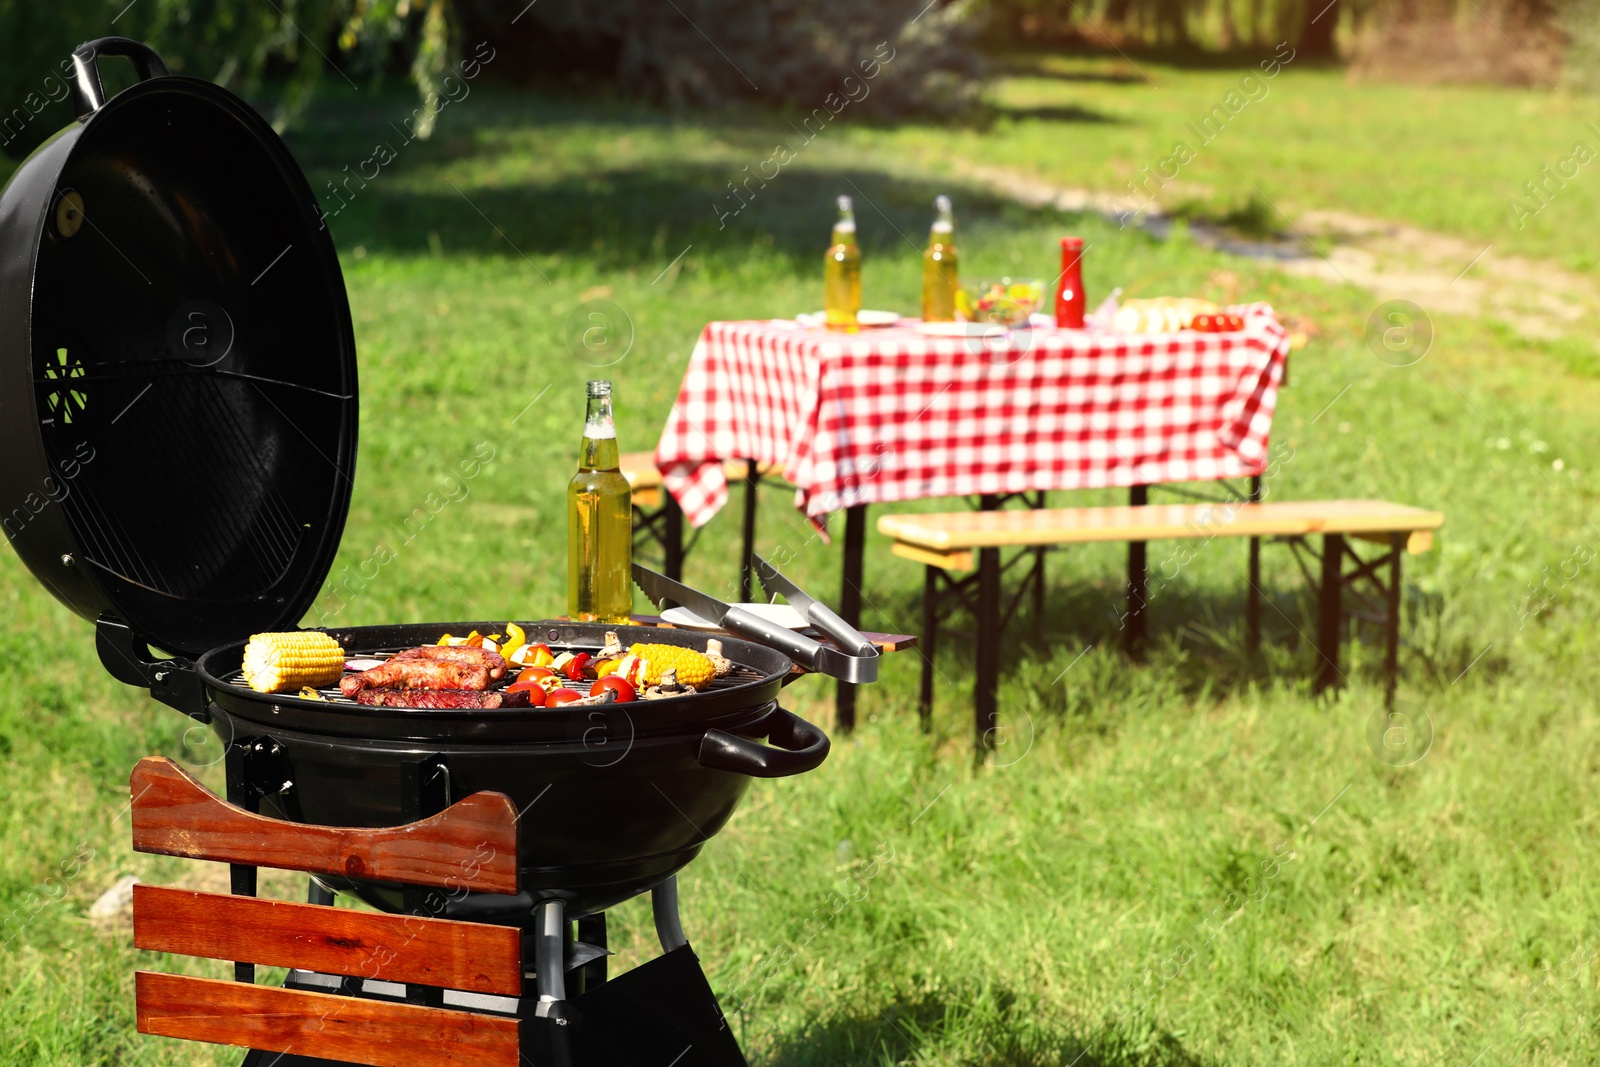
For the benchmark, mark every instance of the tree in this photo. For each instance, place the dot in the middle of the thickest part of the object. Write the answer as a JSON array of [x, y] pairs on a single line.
[[1316, 31]]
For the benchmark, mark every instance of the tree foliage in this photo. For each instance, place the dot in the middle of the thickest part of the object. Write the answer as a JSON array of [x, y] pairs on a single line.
[[233, 42]]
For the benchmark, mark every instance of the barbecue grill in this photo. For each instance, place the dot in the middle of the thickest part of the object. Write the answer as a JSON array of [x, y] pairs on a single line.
[[181, 455]]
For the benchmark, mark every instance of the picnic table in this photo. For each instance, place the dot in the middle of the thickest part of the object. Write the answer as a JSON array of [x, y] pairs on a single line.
[[894, 414]]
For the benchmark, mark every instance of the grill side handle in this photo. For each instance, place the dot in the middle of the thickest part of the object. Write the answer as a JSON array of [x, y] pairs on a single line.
[[127, 658], [797, 746]]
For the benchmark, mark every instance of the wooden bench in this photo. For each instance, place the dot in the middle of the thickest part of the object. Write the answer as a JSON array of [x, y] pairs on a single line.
[[656, 515], [949, 541]]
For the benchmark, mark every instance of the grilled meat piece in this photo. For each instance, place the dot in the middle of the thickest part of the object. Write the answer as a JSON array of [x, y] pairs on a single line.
[[417, 674], [442, 699], [466, 655]]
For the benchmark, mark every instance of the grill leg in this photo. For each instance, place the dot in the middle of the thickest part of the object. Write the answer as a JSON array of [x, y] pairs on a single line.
[[1329, 612], [1252, 603], [930, 644], [669, 925], [855, 539], [752, 482], [672, 537], [1391, 656], [550, 955], [1133, 635], [984, 695]]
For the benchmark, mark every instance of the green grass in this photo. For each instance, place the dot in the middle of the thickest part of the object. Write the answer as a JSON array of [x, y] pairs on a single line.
[[1449, 159], [1186, 861]]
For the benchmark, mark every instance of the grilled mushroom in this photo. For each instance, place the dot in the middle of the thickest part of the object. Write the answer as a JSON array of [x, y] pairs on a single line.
[[669, 687], [720, 664]]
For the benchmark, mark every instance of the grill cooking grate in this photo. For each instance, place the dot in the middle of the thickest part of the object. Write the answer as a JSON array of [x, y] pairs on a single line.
[[739, 675]]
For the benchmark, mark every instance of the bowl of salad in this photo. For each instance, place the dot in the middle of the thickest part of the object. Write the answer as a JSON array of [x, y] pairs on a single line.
[[1006, 302]]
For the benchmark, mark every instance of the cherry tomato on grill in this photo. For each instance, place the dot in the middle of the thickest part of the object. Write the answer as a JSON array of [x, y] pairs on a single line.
[[562, 696], [575, 669], [535, 691], [620, 686], [532, 674]]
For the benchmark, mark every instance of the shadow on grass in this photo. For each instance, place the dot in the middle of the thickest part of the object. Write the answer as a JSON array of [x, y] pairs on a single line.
[[504, 155], [617, 219], [988, 1027]]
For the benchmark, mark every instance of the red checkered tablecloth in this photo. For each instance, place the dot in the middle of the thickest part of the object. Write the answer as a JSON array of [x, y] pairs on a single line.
[[894, 414]]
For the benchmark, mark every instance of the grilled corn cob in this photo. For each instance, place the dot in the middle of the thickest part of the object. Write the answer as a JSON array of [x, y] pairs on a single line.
[[276, 663], [694, 668]]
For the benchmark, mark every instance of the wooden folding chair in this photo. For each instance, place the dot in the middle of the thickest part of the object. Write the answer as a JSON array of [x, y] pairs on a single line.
[[470, 845]]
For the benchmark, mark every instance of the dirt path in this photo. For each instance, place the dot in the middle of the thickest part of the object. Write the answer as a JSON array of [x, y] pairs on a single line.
[[1393, 261]]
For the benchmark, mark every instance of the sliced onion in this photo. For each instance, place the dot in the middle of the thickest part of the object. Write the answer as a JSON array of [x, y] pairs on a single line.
[[362, 664]]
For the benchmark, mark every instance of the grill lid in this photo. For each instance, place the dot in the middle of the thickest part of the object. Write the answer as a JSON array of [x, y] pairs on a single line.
[[177, 364]]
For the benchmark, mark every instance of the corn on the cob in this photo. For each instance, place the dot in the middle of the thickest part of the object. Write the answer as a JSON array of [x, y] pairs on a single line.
[[276, 663], [694, 668]]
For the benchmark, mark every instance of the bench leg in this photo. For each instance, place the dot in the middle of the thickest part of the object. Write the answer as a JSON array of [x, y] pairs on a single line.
[[929, 644], [1133, 632], [855, 539], [1391, 652], [985, 694], [1252, 604], [1330, 612], [752, 482]]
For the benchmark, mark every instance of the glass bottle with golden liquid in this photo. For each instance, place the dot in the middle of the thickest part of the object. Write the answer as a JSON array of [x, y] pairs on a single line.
[[940, 276], [599, 522], [841, 274]]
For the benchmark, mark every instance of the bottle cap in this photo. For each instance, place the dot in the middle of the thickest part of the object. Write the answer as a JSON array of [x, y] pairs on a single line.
[[845, 204], [941, 203], [1072, 244], [599, 388]]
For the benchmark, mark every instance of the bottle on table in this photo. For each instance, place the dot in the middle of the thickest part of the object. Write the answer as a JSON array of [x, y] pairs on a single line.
[[841, 274], [1069, 288], [599, 522], [940, 266]]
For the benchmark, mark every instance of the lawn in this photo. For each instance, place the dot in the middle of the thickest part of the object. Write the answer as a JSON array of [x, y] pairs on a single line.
[[1185, 861]]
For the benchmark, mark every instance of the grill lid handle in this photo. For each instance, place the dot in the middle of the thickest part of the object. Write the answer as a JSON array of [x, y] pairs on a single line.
[[797, 746], [128, 659], [88, 91]]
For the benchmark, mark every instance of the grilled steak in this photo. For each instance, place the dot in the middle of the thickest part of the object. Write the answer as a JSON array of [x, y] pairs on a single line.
[[465, 655], [463, 699], [417, 674]]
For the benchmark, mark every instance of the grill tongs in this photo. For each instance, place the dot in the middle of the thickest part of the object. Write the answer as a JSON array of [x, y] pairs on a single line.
[[854, 660]]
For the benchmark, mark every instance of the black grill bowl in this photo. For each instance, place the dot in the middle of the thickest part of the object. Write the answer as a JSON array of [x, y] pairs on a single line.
[[614, 799]]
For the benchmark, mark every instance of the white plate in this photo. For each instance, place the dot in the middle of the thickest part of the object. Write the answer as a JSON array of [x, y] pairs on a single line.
[[780, 614], [864, 317]]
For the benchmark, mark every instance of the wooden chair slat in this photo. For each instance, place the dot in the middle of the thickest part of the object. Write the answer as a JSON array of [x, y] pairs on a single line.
[[378, 1033], [470, 845], [275, 933]]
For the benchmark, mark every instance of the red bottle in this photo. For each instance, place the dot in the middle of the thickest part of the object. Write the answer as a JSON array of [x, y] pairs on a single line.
[[1069, 289]]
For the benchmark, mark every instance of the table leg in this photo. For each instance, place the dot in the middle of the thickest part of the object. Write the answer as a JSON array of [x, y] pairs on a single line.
[[1391, 652], [855, 539], [929, 644], [752, 483], [672, 537], [1329, 612], [1038, 579], [1252, 603], [985, 694], [1134, 631]]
